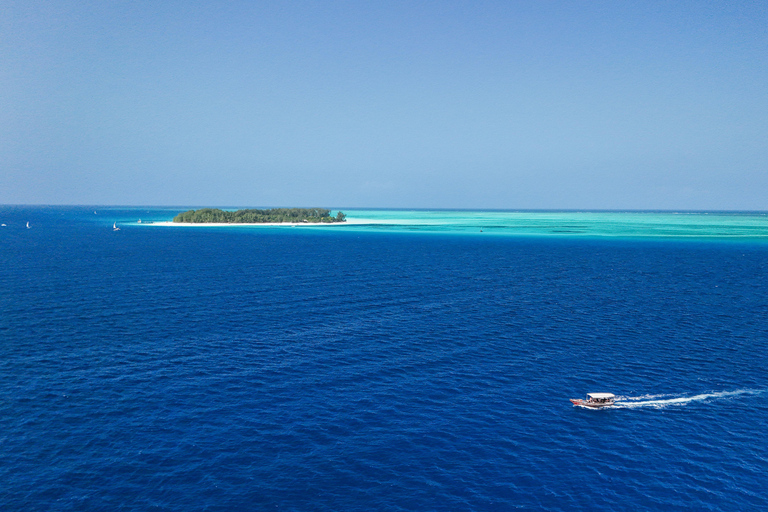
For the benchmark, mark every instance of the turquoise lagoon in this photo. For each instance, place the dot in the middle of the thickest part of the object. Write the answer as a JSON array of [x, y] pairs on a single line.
[[751, 226], [632, 224]]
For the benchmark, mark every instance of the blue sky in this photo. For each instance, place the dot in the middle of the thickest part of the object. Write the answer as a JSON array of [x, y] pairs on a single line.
[[637, 105]]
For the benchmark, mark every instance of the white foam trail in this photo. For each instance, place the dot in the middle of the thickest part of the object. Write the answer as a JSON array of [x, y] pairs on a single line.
[[629, 402]]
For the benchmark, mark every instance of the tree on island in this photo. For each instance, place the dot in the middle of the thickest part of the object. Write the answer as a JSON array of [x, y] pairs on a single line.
[[255, 216]]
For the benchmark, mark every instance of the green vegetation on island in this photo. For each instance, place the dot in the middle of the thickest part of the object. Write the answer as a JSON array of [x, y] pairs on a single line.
[[252, 216]]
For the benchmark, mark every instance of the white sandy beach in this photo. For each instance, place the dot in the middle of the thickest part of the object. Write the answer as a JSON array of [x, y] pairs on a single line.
[[273, 224]]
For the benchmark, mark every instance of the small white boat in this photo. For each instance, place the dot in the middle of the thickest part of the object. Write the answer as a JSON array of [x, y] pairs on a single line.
[[595, 400], [139, 221], [27, 224], [114, 227]]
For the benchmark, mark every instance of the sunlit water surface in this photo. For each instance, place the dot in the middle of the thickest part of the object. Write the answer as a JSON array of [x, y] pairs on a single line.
[[405, 361]]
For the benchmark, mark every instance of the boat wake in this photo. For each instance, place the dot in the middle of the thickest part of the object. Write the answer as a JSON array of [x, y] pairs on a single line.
[[661, 401]]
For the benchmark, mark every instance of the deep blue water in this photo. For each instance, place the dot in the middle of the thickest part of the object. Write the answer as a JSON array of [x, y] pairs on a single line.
[[166, 368]]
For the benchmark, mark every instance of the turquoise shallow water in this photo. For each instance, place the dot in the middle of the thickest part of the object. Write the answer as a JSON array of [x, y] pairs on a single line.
[[710, 225], [682, 225]]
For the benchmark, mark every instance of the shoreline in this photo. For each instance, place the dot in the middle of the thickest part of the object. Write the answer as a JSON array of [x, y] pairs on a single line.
[[272, 224]]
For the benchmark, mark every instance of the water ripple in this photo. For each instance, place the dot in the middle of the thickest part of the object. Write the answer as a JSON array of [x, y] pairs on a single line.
[[165, 369]]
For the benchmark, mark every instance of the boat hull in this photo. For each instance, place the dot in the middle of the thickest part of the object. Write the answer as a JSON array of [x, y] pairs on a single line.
[[592, 405]]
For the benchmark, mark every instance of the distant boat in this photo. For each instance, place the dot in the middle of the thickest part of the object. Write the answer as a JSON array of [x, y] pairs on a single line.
[[139, 221], [595, 400], [27, 224], [3, 225], [114, 227]]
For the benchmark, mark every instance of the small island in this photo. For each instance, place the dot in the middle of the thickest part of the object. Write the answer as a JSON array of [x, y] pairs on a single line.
[[254, 216]]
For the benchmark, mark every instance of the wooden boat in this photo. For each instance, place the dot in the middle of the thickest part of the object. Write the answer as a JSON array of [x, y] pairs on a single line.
[[595, 400]]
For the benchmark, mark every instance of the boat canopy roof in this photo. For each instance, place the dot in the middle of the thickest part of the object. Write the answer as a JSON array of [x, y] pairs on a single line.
[[600, 395]]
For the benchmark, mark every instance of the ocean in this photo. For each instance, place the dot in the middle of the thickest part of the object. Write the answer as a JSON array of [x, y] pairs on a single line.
[[410, 360]]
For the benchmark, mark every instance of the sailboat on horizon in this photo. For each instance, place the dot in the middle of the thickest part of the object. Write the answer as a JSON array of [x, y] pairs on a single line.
[[114, 227], [27, 224]]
